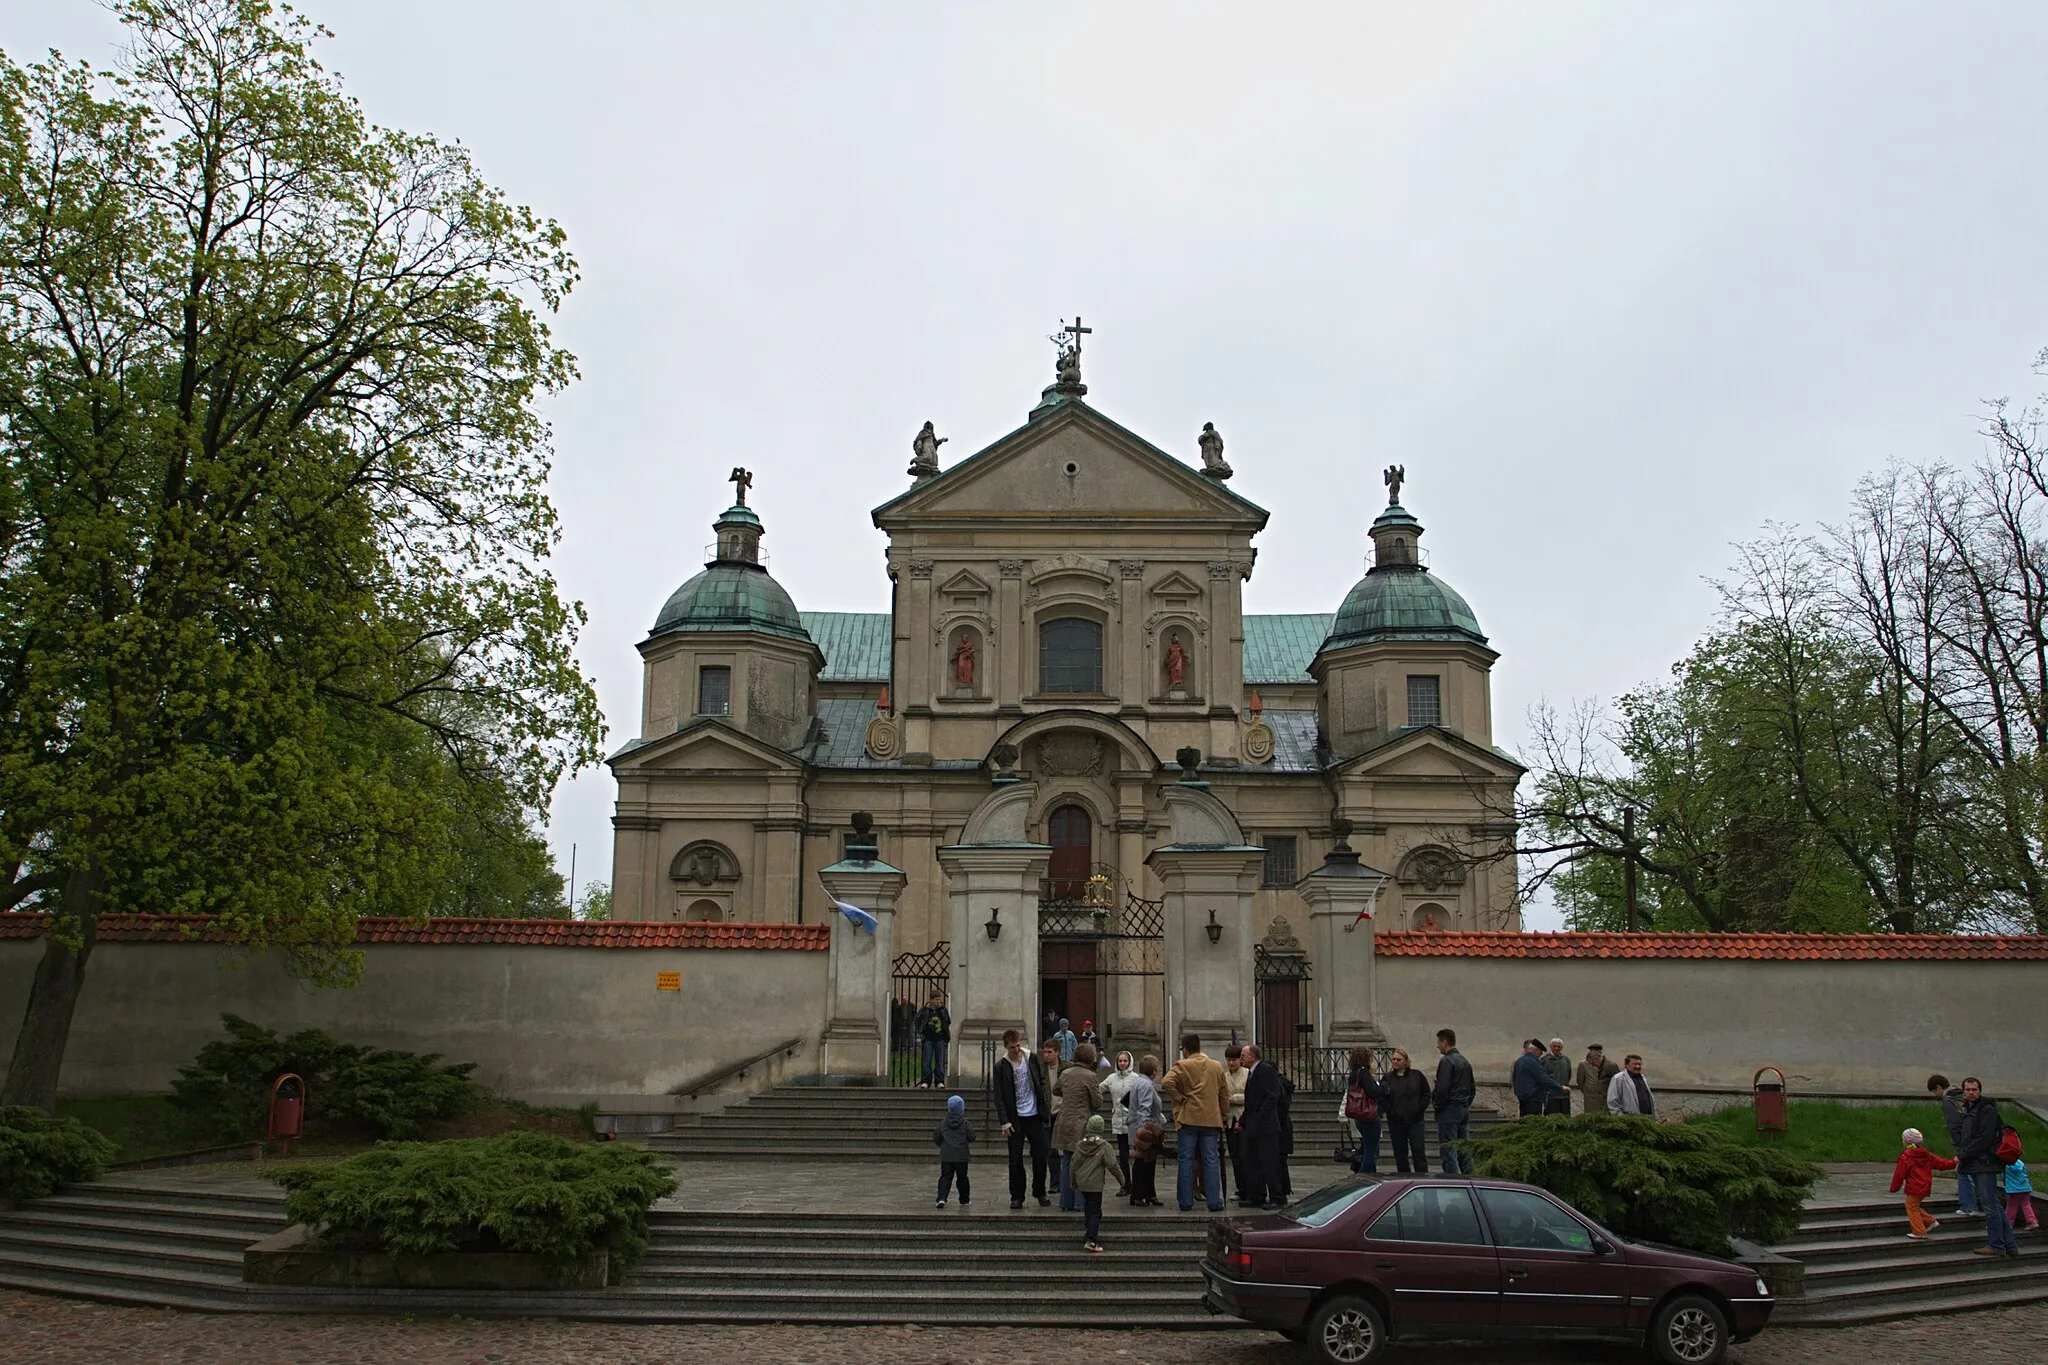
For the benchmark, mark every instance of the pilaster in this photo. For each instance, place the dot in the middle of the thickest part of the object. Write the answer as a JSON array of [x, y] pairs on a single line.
[[1341, 946], [856, 1038], [994, 983]]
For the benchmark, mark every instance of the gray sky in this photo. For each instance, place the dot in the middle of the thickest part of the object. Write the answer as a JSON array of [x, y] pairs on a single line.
[[1617, 283]]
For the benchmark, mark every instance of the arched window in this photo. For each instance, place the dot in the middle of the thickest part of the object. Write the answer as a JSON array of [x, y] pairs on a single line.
[[1070, 655]]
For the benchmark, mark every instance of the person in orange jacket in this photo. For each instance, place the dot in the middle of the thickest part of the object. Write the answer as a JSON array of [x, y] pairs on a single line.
[[1915, 1173]]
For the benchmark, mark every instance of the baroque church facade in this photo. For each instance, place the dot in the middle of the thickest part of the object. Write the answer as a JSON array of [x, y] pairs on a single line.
[[1067, 621]]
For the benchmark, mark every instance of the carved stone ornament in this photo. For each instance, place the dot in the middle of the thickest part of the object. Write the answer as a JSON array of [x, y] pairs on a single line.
[[704, 863], [1255, 743], [1221, 568], [1010, 568], [1432, 869], [921, 568], [1069, 754], [1280, 937], [885, 740], [1131, 568]]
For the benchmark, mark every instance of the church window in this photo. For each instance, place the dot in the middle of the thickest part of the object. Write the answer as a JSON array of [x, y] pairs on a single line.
[[1425, 700], [1280, 869], [714, 690], [1070, 655]]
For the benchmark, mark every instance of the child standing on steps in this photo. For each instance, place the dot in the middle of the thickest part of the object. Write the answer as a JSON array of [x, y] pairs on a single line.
[[1093, 1166], [2019, 1191], [1915, 1173], [951, 1135]]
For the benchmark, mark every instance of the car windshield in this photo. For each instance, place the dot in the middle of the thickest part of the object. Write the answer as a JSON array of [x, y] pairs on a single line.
[[1316, 1210]]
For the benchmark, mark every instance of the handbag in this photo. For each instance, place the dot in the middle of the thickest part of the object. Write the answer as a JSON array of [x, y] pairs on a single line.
[[1360, 1106]]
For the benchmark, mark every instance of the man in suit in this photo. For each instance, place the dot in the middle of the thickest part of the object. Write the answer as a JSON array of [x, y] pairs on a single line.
[[1024, 1104], [1265, 1169]]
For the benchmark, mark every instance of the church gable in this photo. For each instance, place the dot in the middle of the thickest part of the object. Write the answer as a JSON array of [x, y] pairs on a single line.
[[1073, 463], [1432, 753], [708, 746]]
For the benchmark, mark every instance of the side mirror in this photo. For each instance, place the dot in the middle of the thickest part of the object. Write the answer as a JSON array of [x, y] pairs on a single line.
[[1602, 1247]]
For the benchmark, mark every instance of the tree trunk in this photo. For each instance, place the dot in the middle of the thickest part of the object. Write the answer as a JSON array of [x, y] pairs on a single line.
[[53, 998]]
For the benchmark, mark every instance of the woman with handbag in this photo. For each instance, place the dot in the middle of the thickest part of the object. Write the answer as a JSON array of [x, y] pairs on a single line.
[[1362, 1096]]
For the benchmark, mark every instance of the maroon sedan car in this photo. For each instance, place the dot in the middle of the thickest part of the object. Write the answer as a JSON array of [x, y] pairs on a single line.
[[1366, 1261]]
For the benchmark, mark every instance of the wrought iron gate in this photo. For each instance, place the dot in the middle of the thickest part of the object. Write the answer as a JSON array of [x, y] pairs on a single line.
[[914, 979]]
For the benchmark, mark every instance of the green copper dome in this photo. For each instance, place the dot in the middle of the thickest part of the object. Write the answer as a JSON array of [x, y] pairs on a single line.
[[732, 596], [1400, 599], [1402, 603], [734, 592]]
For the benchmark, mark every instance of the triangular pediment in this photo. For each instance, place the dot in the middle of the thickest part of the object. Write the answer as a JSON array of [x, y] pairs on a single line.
[[704, 746], [1177, 587], [965, 584], [1432, 753], [1071, 464]]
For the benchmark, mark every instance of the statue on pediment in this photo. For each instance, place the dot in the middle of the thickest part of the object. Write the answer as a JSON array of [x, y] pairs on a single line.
[[924, 452], [1213, 464]]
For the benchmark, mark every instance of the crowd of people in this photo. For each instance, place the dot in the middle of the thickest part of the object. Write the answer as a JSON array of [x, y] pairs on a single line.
[[1991, 1173]]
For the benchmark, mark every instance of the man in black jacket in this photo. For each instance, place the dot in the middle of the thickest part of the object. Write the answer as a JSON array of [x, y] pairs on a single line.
[[1454, 1093], [1951, 1098], [1265, 1162], [1977, 1157], [1024, 1104]]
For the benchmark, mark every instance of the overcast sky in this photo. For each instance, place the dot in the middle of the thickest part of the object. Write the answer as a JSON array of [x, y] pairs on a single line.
[[1617, 283]]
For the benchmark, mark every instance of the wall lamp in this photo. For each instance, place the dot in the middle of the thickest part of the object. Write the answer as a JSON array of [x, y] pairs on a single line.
[[1213, 929], [994, 925]]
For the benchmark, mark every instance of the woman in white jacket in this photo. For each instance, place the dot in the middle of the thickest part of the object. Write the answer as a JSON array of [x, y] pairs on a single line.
[[1116, 1088]]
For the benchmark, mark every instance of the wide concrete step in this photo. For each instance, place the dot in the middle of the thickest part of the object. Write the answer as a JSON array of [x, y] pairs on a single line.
[[161, 1231], [1979, 1273], [96, 1242], [177, 1213]]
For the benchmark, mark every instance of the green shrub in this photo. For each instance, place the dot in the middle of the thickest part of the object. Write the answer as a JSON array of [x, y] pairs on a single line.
[[395, 1092], [520, 1192], [39, 1153], [1684, 1184], [228, 1084]]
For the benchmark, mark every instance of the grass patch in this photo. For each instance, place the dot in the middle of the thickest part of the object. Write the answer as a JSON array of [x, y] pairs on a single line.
[[1828, 1130], [141, 1126]]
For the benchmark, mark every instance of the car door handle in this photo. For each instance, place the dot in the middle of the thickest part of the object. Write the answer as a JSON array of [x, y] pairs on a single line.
[[1517, 1272], [1386, 1265]]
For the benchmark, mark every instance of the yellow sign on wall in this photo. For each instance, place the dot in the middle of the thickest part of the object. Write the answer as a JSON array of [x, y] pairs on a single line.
[[668, 981]]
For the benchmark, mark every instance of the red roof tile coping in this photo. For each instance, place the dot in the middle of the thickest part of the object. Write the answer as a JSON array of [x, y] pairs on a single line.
[[541, 933], [1732, 947]]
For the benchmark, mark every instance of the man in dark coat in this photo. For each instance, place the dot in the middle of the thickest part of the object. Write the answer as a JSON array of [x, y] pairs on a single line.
[[1024, 1107], [1532, 1082], [934, 1025], [1951, 1097], [1265, 1170], [1454, 1092], [1977, 1157]]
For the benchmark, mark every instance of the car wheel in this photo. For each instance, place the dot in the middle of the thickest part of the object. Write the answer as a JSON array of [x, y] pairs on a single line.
[[1690, 1330], [1347, 1331]]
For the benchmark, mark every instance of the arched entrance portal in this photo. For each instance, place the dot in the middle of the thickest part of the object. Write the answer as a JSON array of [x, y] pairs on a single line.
[[1067, 967]]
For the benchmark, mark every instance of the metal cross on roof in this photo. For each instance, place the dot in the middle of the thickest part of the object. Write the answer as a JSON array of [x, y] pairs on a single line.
[[1077, 331]]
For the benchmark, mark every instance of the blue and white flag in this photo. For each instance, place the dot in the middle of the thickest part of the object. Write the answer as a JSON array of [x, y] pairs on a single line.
[[860, 918]]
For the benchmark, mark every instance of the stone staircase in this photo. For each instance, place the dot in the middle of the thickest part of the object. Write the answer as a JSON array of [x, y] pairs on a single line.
[[137, 1243], [861, 1123], [1860, 1266]]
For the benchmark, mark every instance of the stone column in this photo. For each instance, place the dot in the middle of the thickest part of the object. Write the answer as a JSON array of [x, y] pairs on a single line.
[[1137, 683], [856, 1039], [1008, 687], [994, 983], [1208, 983], [1341, 946]]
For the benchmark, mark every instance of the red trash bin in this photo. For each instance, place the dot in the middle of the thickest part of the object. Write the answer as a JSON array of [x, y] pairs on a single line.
[[287, 1119], [1768, 1098]]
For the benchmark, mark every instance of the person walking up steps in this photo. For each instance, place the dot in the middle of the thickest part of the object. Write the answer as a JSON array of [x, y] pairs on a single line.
[[1915, 1175], [1022, 1104], [1977, 1154], [1080, 1098], [1093, 1167], [952, 1135], [2019, 1190], [1951, 1099]]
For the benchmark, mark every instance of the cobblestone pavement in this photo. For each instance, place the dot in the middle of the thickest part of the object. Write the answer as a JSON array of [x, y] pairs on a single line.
[[34, 1330]]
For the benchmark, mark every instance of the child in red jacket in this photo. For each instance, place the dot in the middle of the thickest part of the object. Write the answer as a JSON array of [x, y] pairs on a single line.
[[1915, 1172]]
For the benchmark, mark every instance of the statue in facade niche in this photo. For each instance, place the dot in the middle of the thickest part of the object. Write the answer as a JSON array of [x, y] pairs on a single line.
[[1176, 662], [924, 452], [963, 660], [1213, 464]]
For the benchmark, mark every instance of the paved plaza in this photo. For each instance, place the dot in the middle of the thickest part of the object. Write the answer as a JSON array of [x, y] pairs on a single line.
[[34, 1330]]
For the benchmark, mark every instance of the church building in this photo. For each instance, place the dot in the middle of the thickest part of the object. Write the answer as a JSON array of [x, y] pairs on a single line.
[[1067, 638]]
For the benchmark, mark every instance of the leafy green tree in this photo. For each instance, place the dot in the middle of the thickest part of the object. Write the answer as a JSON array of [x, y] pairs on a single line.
[[596, 902], [273, 507]]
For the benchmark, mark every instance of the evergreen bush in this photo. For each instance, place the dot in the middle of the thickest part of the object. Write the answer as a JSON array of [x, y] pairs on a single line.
[[39, 1152], [228, 1084], [520, 1192], [1684, 1184]]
